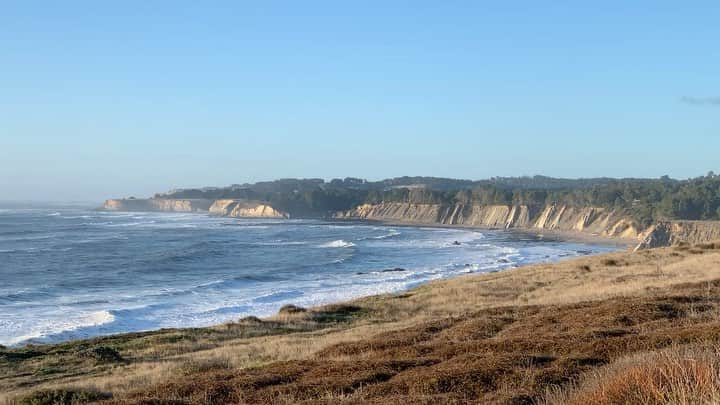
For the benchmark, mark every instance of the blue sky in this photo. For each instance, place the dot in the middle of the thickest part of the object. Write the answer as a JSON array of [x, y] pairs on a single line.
[[101, 100]]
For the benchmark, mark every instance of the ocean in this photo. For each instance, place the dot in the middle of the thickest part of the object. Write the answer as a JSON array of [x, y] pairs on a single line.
[[72, 272]]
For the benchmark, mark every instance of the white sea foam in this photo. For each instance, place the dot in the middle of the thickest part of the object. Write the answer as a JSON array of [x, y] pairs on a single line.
[[391, 234], [115, 269], [131, 224], [337, 244], [62, 328]]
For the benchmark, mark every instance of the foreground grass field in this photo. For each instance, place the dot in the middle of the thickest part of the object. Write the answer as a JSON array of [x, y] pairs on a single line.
[[624, 327]]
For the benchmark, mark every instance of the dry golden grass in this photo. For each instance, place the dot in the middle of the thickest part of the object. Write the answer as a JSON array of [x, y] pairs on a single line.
[[498, 355], [155, 357], [588, 278], [681, 376]]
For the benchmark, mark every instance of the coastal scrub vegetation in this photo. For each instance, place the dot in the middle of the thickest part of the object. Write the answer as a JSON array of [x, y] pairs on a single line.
[[683, 375], [506, 355], [645, 200], [65, 396], [547, 333]]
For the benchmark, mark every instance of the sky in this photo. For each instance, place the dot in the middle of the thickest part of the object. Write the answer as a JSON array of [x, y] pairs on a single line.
[[111, 99]]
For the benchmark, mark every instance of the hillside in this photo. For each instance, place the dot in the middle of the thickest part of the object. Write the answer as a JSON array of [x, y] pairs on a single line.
[[650, 212], [645, 201], [588, 330]]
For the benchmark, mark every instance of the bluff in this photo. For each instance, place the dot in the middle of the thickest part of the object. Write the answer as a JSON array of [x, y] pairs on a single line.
[[593, 220], [244, 209], [158, 204], [668, 233], [225, 207]]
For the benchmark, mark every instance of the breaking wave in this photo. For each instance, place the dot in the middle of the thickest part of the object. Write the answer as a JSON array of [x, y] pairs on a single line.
[[337, 244]]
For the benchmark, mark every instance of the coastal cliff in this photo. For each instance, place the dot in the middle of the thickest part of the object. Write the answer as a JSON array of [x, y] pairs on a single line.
[[244, 209], [225, 207], [668, 233], [593, 220], [157, 204], [597, 221]]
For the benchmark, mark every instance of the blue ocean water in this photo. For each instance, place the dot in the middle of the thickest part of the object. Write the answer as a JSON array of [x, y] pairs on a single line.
[[72, 272]]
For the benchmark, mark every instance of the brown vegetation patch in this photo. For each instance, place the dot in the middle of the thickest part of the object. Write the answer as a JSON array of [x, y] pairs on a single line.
[[680, 375], [102, 354], [709, 246], [291, 309], [611, 263], [502, 337], [65, 396], [501, 355]]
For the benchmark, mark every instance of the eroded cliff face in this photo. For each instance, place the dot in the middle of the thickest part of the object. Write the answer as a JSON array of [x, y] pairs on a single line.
[[592, 220], [229, 208], [552, 217], [668, 233], [157, 204], [244, 209]]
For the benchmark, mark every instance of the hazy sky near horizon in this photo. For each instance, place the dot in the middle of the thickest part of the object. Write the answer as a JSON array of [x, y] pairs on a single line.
[[101, 99]]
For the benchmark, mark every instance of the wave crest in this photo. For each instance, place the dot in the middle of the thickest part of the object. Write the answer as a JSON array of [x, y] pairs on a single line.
[[337, 244]]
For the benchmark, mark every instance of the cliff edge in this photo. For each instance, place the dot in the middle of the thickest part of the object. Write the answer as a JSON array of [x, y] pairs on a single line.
[[225, 207], [245, 209], [668, 233], [596, 221], [553, 217], [593, 220]]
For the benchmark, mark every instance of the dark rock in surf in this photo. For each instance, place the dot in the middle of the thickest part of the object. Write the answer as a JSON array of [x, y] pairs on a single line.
[[394, 269]]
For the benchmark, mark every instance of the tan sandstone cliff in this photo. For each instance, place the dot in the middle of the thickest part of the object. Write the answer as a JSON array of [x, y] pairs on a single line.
[[668, 233], [591, 220], [245, 209], [551, 217], [157, 204], [229, 208]]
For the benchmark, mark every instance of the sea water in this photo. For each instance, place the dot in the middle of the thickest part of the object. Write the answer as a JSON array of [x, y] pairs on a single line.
[[72, 272]]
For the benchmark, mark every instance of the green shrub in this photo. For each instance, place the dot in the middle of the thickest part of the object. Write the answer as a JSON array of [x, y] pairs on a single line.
[[102, 354], [62, 396]]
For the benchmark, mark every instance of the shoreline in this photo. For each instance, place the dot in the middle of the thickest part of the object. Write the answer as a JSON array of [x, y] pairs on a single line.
[[299, 334], [547, 235], [541, 235], [560, 235]]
